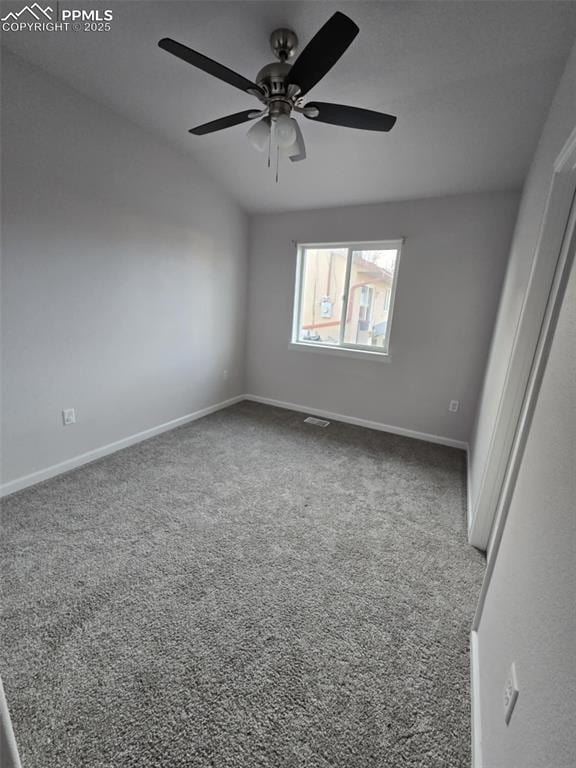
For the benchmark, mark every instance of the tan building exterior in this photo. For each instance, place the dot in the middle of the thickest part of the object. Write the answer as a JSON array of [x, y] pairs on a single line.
[[323, 289]]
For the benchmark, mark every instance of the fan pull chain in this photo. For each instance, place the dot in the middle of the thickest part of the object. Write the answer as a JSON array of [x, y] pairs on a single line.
[[277, 161], [269, 145]]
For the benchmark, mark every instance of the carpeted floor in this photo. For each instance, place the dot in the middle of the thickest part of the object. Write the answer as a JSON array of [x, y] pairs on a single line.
[[244, 591]]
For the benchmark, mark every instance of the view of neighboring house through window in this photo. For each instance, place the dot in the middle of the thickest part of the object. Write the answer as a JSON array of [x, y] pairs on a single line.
[[345, 294]]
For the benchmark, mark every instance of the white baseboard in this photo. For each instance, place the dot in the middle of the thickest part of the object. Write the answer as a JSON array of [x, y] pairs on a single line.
[[475, 700], [468, 493], [360, 422], [85, 458]]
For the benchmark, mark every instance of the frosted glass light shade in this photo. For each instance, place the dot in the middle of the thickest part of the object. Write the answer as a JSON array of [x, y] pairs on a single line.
[[259, 134], [284, 131]]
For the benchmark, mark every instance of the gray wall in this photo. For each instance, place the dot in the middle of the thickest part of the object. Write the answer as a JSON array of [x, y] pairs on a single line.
[[124, 277], [449, 282], [526, 287], [530, 610]]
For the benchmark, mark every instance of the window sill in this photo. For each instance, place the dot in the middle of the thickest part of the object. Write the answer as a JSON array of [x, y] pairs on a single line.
[[364, 354]]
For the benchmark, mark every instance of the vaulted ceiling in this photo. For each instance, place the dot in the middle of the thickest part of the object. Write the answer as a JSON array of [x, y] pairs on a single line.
[[471, 84]]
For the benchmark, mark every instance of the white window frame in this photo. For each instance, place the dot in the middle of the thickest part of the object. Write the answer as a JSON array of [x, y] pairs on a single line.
[[343, 347]]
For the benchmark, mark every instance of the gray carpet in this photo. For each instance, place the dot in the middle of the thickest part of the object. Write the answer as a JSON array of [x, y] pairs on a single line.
[[246, 590]]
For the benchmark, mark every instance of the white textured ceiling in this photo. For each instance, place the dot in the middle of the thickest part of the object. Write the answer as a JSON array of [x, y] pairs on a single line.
[[471, 83]]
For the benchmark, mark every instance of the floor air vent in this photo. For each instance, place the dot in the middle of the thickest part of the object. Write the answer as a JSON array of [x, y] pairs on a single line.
[[316, 422]]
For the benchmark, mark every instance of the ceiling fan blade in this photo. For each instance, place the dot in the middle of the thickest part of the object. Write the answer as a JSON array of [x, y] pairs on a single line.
[[225, 122], [350, 117], [298, 150], [208, 65], [322, 52]]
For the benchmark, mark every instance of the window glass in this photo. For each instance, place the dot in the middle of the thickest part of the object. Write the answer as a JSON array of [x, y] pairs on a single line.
[[369, 288], [324, 273], [345, 294]]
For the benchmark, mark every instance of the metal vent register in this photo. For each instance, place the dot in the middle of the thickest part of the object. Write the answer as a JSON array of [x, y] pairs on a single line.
[[316, 422]]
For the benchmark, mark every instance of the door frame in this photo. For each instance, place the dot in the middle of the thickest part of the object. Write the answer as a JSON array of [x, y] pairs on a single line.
[[560, 213], [485, 508]]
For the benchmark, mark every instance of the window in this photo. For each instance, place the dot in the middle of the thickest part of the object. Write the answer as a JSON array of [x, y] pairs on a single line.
[[387, 293], [345, 295]]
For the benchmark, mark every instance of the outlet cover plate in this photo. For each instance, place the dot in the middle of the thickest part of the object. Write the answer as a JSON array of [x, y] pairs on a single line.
[[68, 416]]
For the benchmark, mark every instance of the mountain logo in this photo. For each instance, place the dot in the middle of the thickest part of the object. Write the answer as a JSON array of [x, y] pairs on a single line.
[[35, 10]]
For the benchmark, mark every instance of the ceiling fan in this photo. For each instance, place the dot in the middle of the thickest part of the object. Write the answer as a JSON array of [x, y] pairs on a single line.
[[281, 87]]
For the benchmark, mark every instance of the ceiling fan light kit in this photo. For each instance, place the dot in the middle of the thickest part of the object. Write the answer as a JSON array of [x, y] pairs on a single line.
[[282, 86], [259, 134]]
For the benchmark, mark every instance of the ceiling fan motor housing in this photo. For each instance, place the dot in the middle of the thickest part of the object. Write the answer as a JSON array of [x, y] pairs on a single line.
[[279, 98], [272, 78]]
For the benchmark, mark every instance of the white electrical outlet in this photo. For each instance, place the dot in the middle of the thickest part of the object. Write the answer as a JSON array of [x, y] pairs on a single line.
[[225, 375], [68, 416], [510, 693], [453, 406]]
